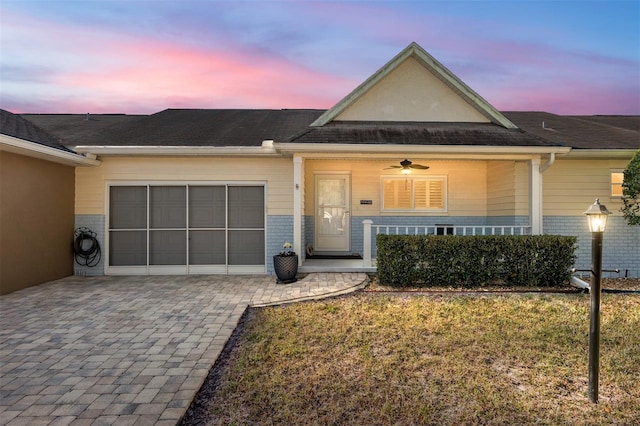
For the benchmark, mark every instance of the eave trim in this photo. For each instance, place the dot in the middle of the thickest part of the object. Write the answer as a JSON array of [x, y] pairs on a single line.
[[266, 150], [43, 152]]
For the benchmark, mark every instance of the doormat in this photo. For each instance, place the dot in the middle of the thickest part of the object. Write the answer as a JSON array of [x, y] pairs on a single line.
[[334, 256]]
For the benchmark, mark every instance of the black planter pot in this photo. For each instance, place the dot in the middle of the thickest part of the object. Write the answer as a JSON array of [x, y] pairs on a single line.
[[286, 268]]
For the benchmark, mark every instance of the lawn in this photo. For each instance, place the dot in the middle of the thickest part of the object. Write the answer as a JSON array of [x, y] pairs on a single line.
[[378, 359]]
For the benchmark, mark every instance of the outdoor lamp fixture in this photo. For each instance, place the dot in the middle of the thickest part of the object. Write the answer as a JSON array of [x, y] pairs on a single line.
[[597, 217]]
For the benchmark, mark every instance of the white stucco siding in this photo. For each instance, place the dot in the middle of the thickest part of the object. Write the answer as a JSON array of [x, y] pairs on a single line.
[[277, 173], [411, 93]]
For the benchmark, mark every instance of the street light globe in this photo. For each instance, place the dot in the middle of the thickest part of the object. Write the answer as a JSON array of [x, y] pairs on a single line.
[[597, 216]]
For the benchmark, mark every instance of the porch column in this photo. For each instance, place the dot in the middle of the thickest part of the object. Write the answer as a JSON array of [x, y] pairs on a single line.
[[297, 207], [366, 244], [535, 196]]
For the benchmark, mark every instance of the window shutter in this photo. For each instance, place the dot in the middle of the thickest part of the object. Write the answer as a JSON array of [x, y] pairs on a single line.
[[429, 194], [436, 194], [397, 194], [617, 178], [414, 194]]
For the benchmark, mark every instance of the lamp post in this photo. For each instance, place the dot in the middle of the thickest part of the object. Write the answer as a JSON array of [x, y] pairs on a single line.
[[597, 217]]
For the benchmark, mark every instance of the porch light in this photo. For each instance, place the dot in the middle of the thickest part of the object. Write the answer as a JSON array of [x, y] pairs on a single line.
[[597, 218]]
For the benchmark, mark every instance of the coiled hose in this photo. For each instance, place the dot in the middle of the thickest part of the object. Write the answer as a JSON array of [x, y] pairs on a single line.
[[86, 247]]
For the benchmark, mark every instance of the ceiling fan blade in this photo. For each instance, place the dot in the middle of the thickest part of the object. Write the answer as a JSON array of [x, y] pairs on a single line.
[[393, 167], [419, 166]]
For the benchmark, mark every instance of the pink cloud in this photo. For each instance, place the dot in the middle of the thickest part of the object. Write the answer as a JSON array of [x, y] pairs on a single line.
[[215, 79], [121, 73], [100, 70]]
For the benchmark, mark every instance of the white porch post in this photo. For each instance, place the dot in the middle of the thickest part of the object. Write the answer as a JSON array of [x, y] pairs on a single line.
[[297, 207], [366, 244], [535, 194]]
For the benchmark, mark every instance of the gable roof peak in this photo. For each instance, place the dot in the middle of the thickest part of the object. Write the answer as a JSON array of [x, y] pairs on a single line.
[[463, 93]]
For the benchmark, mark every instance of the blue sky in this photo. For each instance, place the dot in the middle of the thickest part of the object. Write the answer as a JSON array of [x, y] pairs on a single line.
[[143, 56]]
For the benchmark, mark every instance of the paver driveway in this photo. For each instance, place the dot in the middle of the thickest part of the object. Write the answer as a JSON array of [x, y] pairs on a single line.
[[126, 350]]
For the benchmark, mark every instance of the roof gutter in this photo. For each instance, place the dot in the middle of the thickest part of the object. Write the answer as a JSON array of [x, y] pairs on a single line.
[[458, 150], [622, 154], [265, 150], [43, 152]]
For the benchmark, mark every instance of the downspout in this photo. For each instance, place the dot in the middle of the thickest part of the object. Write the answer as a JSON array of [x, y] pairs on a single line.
[[536, 211], [549, 163]]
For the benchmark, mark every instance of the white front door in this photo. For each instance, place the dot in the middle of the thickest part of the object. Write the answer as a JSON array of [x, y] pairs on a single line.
[[333, 221]]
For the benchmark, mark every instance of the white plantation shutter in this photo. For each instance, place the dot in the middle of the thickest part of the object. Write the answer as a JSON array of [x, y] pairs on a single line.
[[617, 178], [414, 194], [397, 194]]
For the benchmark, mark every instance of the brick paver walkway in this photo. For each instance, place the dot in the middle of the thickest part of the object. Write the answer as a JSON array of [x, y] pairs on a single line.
[[127, 350]]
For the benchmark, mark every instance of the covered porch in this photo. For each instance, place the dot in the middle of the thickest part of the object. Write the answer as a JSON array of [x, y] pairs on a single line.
[[482, 193]]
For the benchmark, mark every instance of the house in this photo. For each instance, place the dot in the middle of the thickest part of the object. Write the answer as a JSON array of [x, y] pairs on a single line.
[[37, 177], [220, 191]]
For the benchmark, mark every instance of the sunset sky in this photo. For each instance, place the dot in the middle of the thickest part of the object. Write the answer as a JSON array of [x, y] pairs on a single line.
[[143, 56]]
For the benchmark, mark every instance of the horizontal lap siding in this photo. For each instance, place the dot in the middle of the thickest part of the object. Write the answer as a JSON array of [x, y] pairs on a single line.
[[570, 186], [501, 188], [466, 182], [507, 188], [276, 172]]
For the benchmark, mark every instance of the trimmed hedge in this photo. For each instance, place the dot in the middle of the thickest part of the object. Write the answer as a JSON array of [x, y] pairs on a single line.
[[475, 261]]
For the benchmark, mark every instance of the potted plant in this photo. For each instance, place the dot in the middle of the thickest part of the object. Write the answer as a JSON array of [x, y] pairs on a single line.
[[285, 264]]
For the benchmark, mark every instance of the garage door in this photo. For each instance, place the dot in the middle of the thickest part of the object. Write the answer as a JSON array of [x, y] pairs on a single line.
[[186, 229]]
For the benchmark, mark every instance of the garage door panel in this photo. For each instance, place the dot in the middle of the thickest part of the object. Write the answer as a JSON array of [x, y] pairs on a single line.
[[207, 207], [246, 207], [128, 248], [167, 205], [167, 248], [246, 247], [207, 248], [128, 207]]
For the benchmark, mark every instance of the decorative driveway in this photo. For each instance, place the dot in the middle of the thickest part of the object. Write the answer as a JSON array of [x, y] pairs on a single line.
[[127, 350]]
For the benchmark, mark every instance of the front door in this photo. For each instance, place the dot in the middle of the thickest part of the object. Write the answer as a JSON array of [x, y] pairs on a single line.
[[333, 221]]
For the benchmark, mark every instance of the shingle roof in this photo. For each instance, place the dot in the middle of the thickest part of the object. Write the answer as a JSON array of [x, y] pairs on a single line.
[[73, 128], [17, 127], [184, 127], [414, 133], [581, 132], [234, 127]]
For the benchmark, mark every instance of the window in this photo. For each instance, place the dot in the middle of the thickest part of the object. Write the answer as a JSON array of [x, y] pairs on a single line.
[[616, 184], [419, 193]]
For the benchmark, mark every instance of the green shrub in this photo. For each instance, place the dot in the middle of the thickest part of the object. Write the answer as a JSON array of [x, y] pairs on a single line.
[[475, 261]]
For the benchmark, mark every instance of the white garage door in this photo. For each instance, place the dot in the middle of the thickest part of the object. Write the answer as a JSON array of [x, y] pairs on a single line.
[[186, 229]]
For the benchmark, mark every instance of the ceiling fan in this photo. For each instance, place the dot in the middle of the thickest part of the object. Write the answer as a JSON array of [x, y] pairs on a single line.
[[406, 166]]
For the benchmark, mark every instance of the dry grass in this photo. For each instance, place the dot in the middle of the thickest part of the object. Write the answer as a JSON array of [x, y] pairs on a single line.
[[430, 360]]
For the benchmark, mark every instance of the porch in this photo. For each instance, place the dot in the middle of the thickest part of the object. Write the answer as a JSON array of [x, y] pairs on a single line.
[[368, 263]]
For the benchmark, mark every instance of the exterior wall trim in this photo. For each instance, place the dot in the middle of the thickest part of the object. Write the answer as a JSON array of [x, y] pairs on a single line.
[[43, 152]]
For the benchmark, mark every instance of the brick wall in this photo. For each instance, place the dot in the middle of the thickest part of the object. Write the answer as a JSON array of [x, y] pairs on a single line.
[[95, 223], [279, 231], [620, 246]]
